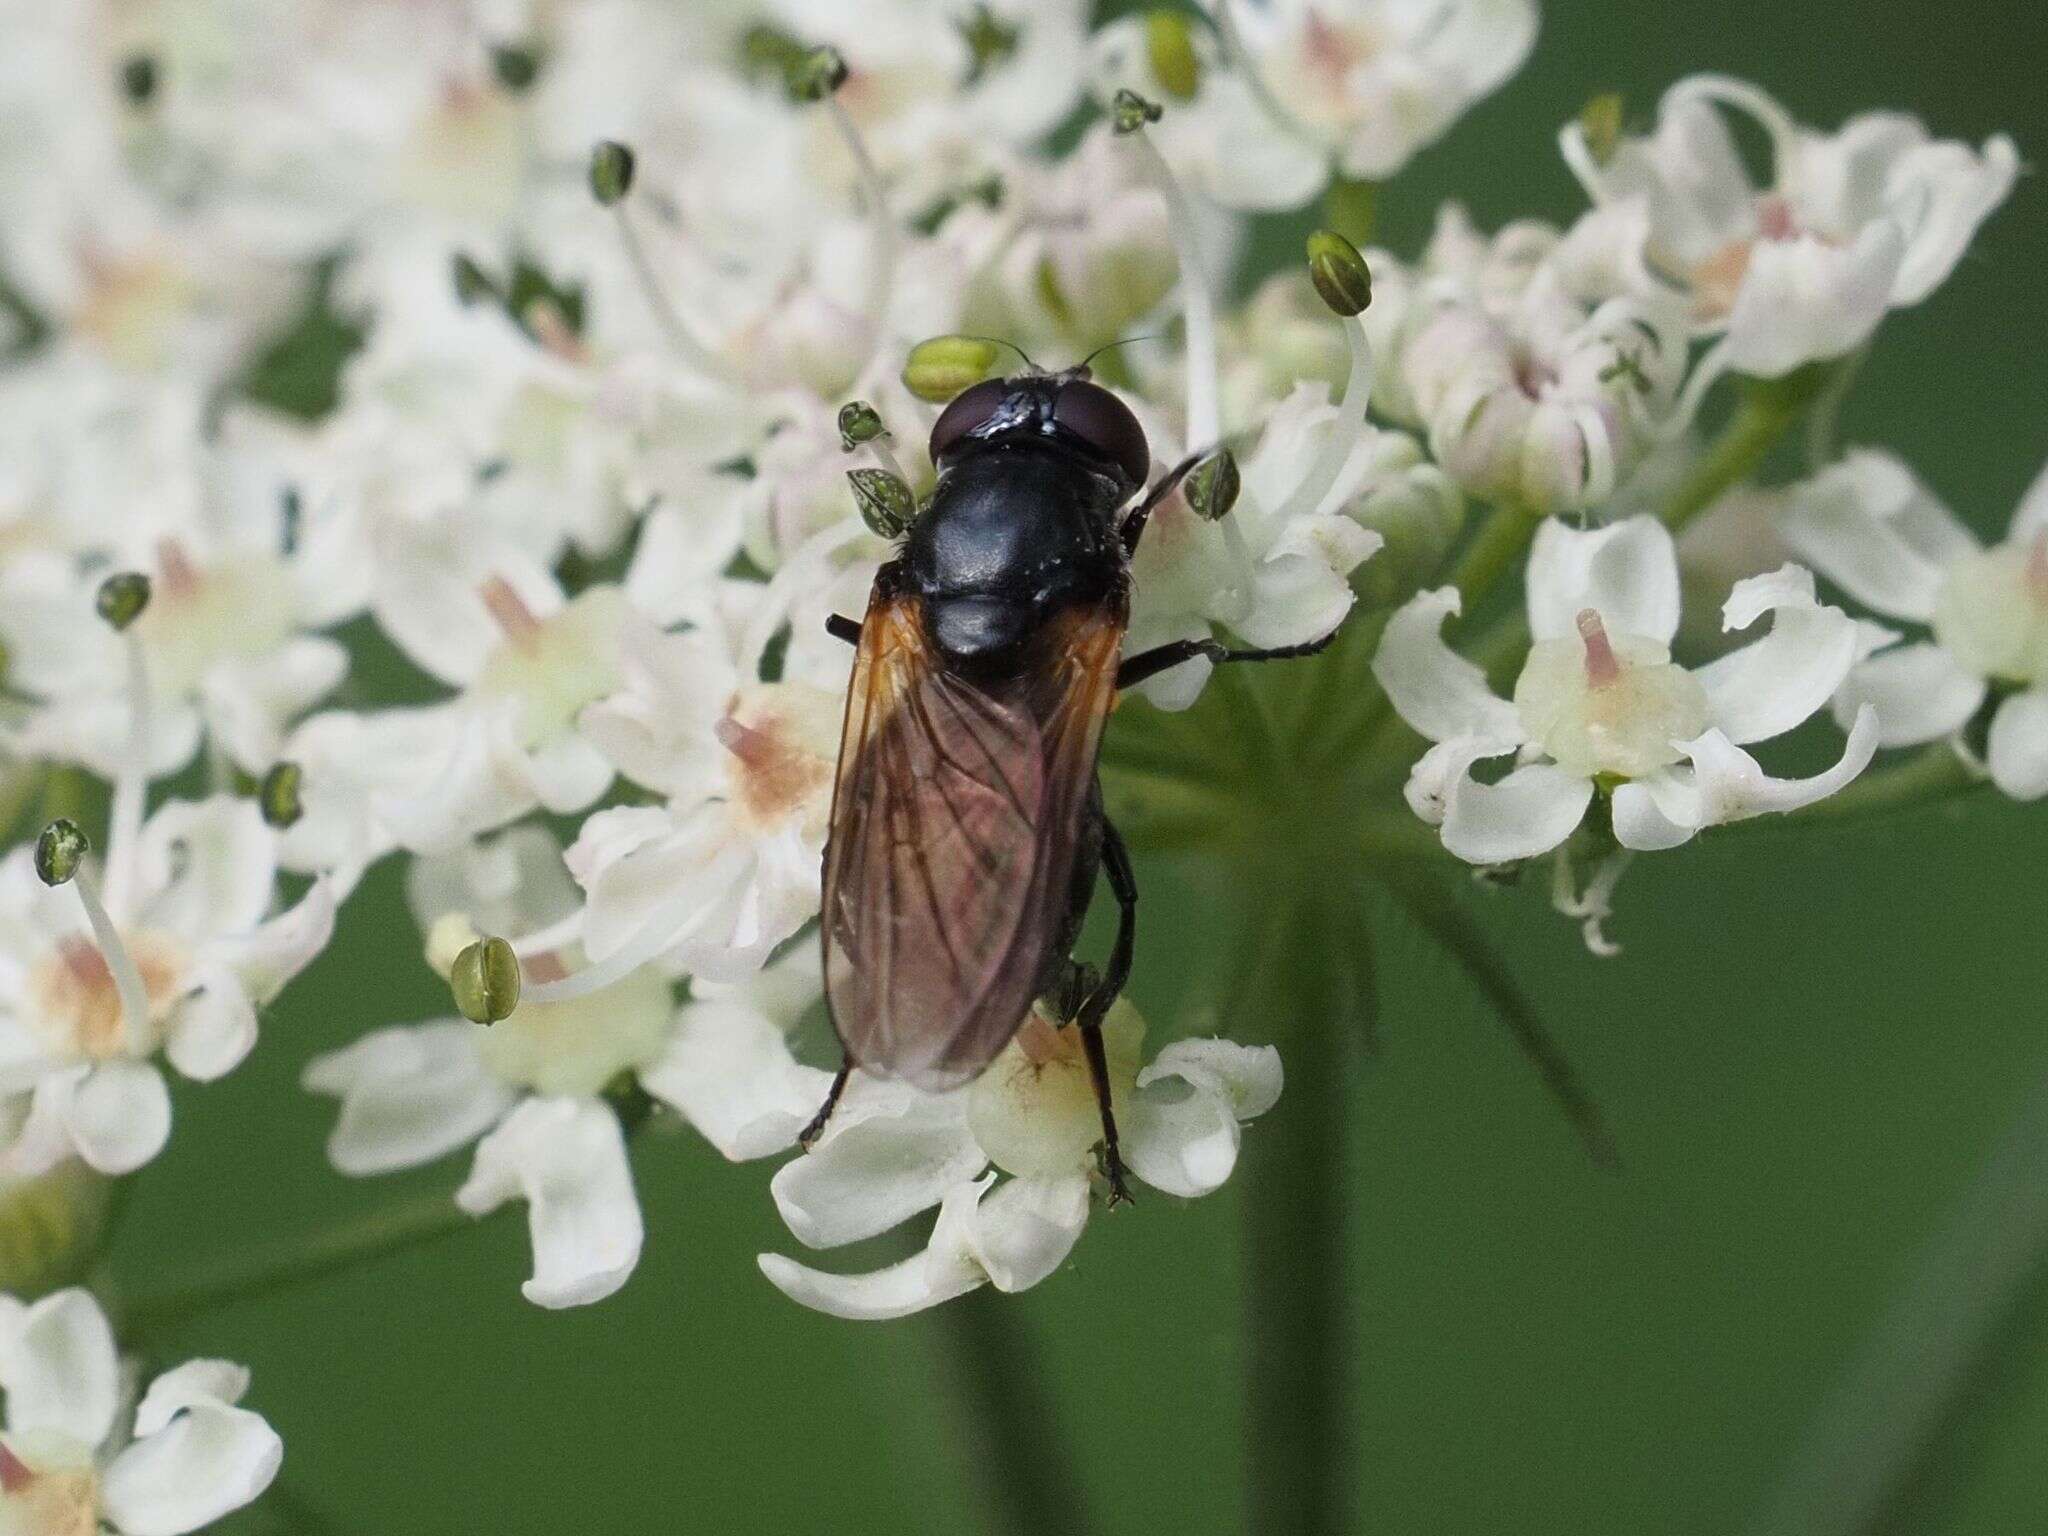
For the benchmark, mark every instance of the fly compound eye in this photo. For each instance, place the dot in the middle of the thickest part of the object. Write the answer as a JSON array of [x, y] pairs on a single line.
[[1105, 424], [971, 408]]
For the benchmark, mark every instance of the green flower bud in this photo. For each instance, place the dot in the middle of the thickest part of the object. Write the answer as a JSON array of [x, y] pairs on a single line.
[[59, 851], [278, 795], [1339, 272], [886, 503], [611, 172], [817, 74], [122, 597], [1600, 123], [1170, 49], [859, 423], [139, 79], [485, 981], [472, 283], [516, 67], [51, 1228], [1212, 486], [939, 368], [1128, 112]]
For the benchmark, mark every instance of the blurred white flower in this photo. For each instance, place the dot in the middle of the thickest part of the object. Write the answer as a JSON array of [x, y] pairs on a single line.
[[1872, 528], [1601, 705], [189, 903], [891, 1152], [1871, 218], [74, 1458]]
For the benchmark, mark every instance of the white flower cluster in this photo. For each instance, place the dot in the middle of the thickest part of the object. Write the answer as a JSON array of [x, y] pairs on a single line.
[[553, 563]]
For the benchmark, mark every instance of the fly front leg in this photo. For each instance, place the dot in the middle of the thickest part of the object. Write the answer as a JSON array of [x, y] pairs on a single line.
[[1123, 884], [1135, 669], [816, 1128], [1133, 527], [840, 627]]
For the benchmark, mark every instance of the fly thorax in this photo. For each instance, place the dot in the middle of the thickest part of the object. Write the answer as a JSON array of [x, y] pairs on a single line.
[[48, 1486], [781, 741], [74, 1004], [577, 1046], [1608, 704], [199, 616], [1034, 1109], [1992, 611], [554, 666]]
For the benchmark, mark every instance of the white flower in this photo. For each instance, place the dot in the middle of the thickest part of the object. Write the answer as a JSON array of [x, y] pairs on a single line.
[[1528, 395], [190, 904], [890, 1152], [531, 1085], [1868, 219], [1869, 526], [1600, 702], [1300, 87], [73, 1461], [729, 866]]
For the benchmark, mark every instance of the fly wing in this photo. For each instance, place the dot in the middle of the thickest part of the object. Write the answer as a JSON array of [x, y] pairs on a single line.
[[956, 820]]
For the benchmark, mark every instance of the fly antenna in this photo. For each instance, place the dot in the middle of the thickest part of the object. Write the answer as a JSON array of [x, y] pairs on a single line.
[[1110, 346]]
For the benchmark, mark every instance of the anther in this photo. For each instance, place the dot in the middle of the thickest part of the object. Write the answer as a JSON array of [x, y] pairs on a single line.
[[485, 981]]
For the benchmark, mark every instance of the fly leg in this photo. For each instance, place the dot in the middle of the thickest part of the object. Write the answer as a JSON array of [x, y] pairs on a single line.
[[840, 627], [816, 1128], [1123, 884], [1134, 525], [1135, 669]]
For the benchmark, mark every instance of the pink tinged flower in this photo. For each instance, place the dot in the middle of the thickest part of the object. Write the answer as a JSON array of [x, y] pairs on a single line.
[[1600, 701]]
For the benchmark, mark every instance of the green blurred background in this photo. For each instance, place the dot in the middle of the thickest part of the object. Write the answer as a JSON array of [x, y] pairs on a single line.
[[1809, 1046]]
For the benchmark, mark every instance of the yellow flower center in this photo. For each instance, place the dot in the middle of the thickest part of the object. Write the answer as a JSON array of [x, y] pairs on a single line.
[[1034, 1110], [1615, 704], [238, 610], [132, 309], [48, 1487], [557, 665], [784, 741], [577, 1046]]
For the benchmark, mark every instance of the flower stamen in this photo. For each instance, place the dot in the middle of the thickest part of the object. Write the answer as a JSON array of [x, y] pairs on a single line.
[[1603, 668], [509, 610]]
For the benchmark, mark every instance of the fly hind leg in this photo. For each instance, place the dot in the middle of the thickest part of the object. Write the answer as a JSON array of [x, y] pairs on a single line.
[[1123, 883]]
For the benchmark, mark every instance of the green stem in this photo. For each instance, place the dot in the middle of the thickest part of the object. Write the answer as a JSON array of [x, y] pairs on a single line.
[[1311, 990], [1007, 1416], [1940, 1343], [378, 1235], [1502, 539], [1768, 411]]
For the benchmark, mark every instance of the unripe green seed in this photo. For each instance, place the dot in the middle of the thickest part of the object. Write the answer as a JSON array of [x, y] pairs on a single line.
[[939, 368], [139, 79], [122, 597], [818, 74], [611, 172], [278, 796], [1128, 112], [859, 423], [515, 67], [59, 851], [485, 981], [1339, 272], [1212, 486], [886, 503], [1170, 49]]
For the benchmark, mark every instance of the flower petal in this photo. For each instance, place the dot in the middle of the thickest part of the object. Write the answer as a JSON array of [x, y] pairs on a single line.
[[207, 1461], [1804, 300], [59, 1368], [567, 1159], [219, 1383], [1920, 692], [1182, 1129], [729, 1071], [1529, 812], [119, 1116], [1432, 687], [874, 1170], [1626, 572], [2018, 754], [1771, 685], [212, 1029], [1851, 522], [409, 1094], [1733, 787]]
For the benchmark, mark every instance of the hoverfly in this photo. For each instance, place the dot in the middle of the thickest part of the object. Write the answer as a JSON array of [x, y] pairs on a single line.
[[967, 826]]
